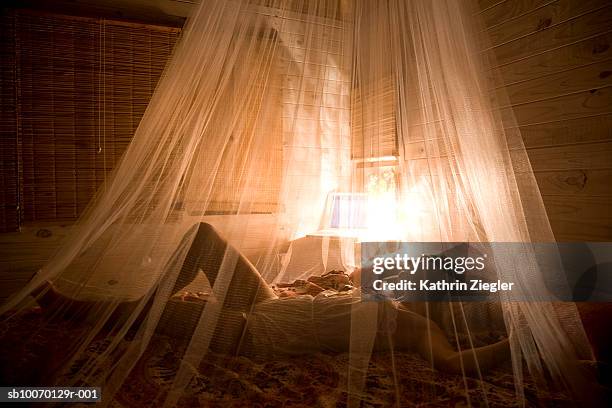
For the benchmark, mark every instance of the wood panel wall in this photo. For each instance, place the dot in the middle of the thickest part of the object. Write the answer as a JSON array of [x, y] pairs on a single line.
[[555, 57]]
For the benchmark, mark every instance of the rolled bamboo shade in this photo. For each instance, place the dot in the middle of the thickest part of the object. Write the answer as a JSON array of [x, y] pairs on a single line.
[[72, 96], [250, 174], [73, 92], [373, 123], [9, 163]]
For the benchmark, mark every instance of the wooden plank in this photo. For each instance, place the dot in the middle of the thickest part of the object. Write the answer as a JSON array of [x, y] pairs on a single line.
[[556, 132], [585, 26], [486, 5], [573, 183], [573, 157], [424, 149], [581, 130], [594, 212], [522, 21], [582, 170], [572, 230], [496, 12], [581, 157], [589, 77], [594, 102], [572, 56], [428, 167]]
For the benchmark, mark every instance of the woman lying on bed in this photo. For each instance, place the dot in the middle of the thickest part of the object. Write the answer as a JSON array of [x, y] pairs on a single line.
[[254, 319]]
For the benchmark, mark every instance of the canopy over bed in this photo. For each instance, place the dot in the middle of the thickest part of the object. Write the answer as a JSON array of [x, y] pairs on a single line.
[[298, 129]]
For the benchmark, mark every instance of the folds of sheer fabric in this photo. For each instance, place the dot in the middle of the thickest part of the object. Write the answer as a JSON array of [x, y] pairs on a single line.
[[267, 108]]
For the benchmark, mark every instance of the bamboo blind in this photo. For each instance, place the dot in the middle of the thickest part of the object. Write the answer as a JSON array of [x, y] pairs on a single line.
[[9, 171], [250, 172], [373, 123], [82, 86]]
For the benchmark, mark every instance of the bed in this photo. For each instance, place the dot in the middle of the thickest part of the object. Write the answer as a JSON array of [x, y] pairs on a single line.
[[313, 380]]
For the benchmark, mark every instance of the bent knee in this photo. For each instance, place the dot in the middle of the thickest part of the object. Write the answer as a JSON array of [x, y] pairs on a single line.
[[206, 229]]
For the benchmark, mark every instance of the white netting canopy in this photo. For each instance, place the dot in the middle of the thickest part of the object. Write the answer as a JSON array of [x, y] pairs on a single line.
[[282, 134]]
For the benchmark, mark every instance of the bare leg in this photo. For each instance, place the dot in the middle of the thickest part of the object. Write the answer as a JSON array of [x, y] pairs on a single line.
[[416, 331], [207, 253]]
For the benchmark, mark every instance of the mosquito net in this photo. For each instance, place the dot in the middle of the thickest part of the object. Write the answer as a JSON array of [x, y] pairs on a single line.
[[282, 134]]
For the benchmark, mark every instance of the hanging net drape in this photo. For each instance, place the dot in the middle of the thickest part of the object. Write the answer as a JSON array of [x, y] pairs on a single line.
[[281, 135]]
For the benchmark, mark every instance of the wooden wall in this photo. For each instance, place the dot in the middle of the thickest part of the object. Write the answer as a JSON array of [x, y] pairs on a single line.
[[556, 60]]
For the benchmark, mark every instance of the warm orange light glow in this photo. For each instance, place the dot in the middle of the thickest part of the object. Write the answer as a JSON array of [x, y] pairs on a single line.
[[382, 220]]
